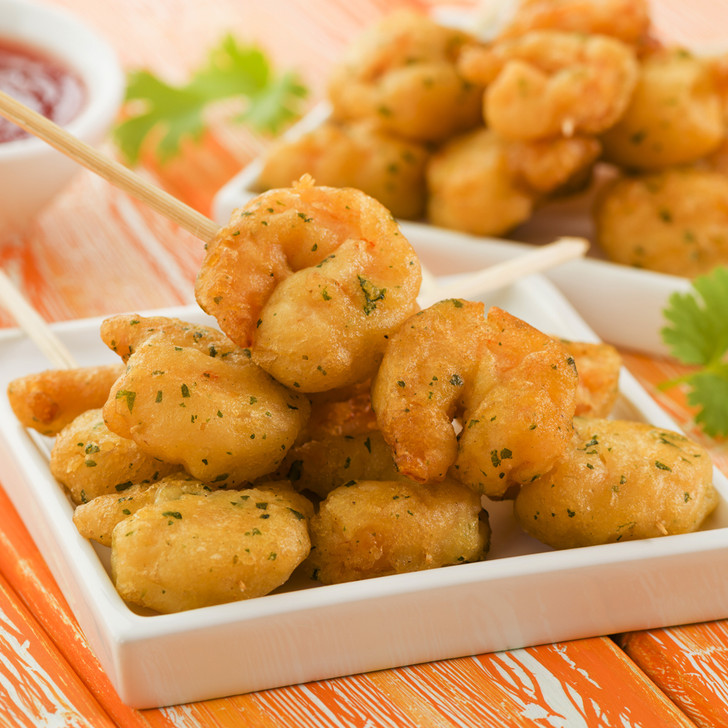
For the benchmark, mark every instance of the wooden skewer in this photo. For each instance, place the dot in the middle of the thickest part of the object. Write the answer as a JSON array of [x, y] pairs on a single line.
[[506, 272], [119, 175], [34, 326]]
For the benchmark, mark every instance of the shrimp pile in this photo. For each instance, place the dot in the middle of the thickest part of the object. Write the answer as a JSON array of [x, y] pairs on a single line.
[[479, 135], [329, 430]]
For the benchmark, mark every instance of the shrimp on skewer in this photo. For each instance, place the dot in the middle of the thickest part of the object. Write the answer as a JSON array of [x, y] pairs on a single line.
[[313, 280]]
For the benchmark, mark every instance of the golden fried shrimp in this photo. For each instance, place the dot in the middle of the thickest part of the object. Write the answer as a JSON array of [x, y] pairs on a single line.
[[674, 117], [89, 460], [471, 186], [549, 83], [513, 387], [314, 279], [198, 549], [619, 481], [319, 466], [598, 366], [402, 74], [124, 333], [626, 20], [221, 417], [50, 400], [97, 519], [674, 221], [361, 155], [376, 528]]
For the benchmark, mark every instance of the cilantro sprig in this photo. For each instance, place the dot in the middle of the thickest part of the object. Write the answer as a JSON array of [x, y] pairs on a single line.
[[232, 71], [697, 335]]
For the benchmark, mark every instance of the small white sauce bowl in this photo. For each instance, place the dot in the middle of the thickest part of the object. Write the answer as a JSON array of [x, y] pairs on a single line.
[[31, 171]]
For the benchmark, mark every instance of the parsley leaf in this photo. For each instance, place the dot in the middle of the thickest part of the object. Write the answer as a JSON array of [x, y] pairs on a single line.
[[697, 335], [232, 71]]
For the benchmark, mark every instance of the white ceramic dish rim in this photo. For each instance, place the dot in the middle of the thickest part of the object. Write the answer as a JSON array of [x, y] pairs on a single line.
[[73, 42], [131, 646]]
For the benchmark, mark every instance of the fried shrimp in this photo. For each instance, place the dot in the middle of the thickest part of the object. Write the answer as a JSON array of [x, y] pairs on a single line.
[[598, 366], [675, 115], [195, 549], [360, 155], [549, 83], [402, 73], [619, 481], [674, 221], [313, 279], [513, 387], [626, 20], [374, 528], [90, 460], [483, 184], [50, 400], [221, 417]]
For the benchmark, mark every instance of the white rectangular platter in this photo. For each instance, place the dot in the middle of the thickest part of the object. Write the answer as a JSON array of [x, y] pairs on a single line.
[[523, 594], [606, 294]]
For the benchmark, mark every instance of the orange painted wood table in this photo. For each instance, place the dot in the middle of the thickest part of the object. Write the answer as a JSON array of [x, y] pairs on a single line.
[[95, 251]]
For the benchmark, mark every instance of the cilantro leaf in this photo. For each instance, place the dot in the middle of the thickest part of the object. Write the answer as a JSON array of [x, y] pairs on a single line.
[[697, 335], [232, 71]]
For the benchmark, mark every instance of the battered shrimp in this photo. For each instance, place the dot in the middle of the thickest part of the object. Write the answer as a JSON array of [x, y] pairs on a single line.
[[190, 550], [402, 73], [549, 83], [221, 417], [360, 155], [626, 20], [674, 221], [374, 528], [314, 279], [50, 400], [674, 116], [513, 387], [89, 460], [319, 466], [340, 412], [619, 481], [482, 184]]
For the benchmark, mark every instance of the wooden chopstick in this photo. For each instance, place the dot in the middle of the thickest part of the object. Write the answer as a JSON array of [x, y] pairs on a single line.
[[506, 272], [34, 326], [119, 175]]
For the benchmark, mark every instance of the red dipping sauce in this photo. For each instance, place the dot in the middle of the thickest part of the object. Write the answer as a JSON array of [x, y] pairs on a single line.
[[39, 81]]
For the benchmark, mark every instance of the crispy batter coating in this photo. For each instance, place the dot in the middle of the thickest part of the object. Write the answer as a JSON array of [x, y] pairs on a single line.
[[471, 187], [550, 83], [97, 519], [321, 465], [674, 116], [598, 366], [619, 481], [376, 528], [314, 279], [90, 460], [513, 386], [626, 20], [346, 411], [125, 333], [221, 417], [361, 155], [195, 550], [50, 400], [674, 221], [402, 73], [483, 184]]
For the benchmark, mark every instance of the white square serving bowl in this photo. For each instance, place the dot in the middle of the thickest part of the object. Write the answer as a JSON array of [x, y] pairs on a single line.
[[523, 594]]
